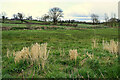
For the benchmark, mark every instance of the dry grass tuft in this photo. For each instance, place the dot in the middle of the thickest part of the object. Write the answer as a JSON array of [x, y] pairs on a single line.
[[62, 52], [112, 47], [73, 54], [22, 55], [95, 44], [36, 53], [91, 56], [8, 52], [13, 53]]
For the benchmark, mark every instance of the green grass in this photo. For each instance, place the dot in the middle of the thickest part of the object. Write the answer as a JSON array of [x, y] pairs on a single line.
[[18, 21], [21, 25], [13, 25], [86, 25], [61, 66]]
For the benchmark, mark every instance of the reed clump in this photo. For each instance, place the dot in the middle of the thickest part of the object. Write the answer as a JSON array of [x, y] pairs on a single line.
[[111, 46], [35, 54]]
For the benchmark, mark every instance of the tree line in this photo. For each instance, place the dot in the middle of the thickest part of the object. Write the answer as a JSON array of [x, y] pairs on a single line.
[[55, 14]]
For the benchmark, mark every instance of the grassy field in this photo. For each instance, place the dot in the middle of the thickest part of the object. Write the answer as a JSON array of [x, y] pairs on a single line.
[[20, 25], [103, 65]]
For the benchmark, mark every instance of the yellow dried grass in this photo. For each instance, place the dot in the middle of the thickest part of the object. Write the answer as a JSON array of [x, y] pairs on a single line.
[[36, 53], [95, 44], [90, 55], [21, 55], [62, 52], [8, 52], [73, 54], [111, 46]]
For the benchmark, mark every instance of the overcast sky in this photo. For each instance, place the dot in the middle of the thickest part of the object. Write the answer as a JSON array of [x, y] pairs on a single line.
[[73, 9]]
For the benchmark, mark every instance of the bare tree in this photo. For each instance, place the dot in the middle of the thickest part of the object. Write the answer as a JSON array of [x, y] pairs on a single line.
[[106, 18], [55, 14], [15, 16], [3, 15], [38, 18], [94, 18], [29, 18], [114, 15], [21, 16], [45, 17], [113, 20]]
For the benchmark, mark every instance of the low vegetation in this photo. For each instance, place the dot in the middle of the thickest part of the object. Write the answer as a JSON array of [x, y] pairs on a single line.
[[34, 54], [112, 47], [73, 55], [60, 53], [52, 47]]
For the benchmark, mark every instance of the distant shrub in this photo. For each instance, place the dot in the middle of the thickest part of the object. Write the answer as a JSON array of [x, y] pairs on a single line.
[[42, 27], [50, 27], [74, 25], [53, 28], [5, 28], [43, 23], [19, 28], [37, 28]]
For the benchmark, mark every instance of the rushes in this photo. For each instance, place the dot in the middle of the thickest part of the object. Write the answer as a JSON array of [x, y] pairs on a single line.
[[112, 47], [36, 53]]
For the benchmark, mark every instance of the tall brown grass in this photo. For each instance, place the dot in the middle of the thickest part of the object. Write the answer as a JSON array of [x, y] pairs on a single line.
[[73, 54], [35, 54], [91, 56], [111, 46], [88, 55], [62, 52], [95, 44], [22, 55], [8, 52]]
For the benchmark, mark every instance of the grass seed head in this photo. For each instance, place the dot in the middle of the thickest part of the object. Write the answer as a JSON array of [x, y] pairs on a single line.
[[36, 53], [73, 54], [112, 47], [95, 44], [8, 52]]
